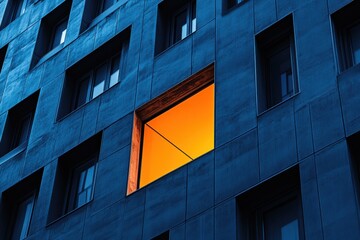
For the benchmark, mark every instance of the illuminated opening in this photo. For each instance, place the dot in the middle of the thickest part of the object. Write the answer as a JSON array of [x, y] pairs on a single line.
[[178, 136], [173, 129]]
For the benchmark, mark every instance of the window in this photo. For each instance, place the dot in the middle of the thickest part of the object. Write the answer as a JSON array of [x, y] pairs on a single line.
[[175, 22], [3, 51], [272, 210], [18, 207], [96, 73], [14, 9], [347, 28], [276, 64], [18, 127], [228, 4], [91, 11], [59, 34], [23, 217], [52, 33], [75, 178], [163, 236], [172, 130]]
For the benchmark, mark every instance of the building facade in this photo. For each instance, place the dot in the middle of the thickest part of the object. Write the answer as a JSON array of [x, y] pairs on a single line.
[[187, 119]]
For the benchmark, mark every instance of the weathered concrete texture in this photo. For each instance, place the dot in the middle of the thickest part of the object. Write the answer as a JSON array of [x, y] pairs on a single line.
[[198, 200]]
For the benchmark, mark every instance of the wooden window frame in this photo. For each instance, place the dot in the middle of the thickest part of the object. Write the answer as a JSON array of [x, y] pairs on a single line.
[[155, 107]]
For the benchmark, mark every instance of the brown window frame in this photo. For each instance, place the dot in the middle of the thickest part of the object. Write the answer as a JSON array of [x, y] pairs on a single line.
[[158, 105]]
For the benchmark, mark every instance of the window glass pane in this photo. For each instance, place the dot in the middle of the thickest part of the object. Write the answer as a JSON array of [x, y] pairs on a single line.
[[89, 177], [193, 17], [107, 3], [59, 34], [23, 130], [180, 26], [115, 71], [280, 83], [23, 219], [355, 43], [82, 93], [85, 186], [99, 82], [281, 223]]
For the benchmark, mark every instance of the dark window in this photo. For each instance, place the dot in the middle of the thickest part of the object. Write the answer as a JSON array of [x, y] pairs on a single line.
[[347, 27], [277, 79], [14, 9], [23, 218], [91, 11], [163, 236], [52, 31], [18, 206], [176, 20], [272, 210], [59, 33], [18, 126], [75, 178], [228, 4], [99, 71], [3, 51]]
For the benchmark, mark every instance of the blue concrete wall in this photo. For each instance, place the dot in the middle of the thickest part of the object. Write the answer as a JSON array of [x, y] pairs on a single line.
[[197, 201]]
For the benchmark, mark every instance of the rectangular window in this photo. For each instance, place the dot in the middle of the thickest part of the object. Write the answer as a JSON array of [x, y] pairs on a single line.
[[23, 218], [275, 214], [52, 32], [92, 76], [18, 127], [173, 129], [276, 65], [14, 9], [347, 27], [18, 206], [82, 184], [176, 21], [75, 178], [228, 4], [59, 33]]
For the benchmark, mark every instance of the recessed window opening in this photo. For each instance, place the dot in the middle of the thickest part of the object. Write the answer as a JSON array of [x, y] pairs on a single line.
[[173, 129]]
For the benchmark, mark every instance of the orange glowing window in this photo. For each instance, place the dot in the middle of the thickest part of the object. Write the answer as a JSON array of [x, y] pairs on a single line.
[[172, 130]]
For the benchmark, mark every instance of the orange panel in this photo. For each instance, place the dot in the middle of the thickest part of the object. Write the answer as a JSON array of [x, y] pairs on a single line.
[[189, 126], [159, 157]]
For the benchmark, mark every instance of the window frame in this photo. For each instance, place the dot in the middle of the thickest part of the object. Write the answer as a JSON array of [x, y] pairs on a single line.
[[73, 181], [155, 107], [280, 35], [53, 34], [14, 215], [346, 45], [270, 51], [19, 128], [188, 7], [92, 78], [273, 204]]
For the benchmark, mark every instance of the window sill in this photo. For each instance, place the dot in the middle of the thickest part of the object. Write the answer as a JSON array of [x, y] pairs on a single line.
[[103, 16], [85, 104], [49, 54], [174, 45], [67, 214], [16, 151], [276, 105]]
